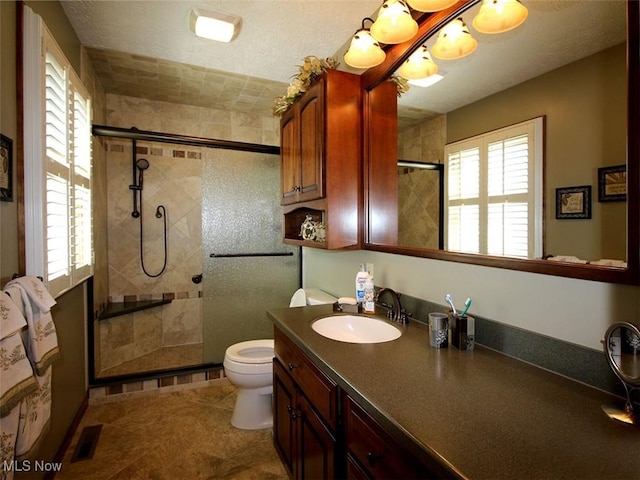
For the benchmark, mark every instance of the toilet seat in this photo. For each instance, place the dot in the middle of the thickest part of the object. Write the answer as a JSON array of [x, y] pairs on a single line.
[[251, 352]]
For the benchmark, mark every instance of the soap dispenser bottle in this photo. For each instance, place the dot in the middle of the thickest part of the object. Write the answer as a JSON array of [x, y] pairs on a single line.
[[361, 279], [369, 296]]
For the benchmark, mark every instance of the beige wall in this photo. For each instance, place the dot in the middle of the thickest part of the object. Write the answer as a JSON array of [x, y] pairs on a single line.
[[585, 108]]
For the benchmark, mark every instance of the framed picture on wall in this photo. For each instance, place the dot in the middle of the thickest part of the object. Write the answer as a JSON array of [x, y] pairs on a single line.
[[612, 184], [6, 169], [573, 202]]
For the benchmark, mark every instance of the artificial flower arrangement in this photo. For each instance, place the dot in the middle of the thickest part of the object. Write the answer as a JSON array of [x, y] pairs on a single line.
[[311, 69]]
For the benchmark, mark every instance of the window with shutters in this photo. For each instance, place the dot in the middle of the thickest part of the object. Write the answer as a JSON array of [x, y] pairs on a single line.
[[494, 192], [58, 173]]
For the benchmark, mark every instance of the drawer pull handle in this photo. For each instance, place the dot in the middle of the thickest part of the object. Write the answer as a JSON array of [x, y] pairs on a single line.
[[373, 458], [292, 366], [292, 412]]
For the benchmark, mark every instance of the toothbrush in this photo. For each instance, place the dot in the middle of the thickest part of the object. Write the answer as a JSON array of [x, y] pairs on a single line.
[[449, 300], [467, 304]]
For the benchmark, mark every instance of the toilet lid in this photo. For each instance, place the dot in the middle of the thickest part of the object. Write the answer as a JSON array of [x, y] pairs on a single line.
[[252, 351], [299, 298]]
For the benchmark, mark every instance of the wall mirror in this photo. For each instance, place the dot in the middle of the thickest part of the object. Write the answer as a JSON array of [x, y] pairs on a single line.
[[574, 64]]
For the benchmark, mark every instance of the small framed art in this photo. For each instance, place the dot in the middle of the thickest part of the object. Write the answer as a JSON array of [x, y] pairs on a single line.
[[612, 184], [573, 202], [6, 169]]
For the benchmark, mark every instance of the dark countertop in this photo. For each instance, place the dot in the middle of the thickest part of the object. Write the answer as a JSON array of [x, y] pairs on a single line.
[[483, 414]]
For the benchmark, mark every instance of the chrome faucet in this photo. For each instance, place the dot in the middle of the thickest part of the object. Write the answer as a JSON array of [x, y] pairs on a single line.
[[395, 311]]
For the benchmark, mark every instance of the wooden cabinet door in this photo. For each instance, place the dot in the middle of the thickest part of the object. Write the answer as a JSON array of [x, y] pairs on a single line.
[[311, 119], [284, 401], [316, 457], [289, 154]]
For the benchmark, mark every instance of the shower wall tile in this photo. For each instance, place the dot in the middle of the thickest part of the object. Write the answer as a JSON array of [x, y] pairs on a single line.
[[182, 322], [147, 329]]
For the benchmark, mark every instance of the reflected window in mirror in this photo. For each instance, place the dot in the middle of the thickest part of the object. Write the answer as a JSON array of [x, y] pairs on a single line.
[[494, 192]]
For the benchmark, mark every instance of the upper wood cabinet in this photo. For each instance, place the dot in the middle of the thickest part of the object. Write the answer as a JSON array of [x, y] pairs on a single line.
[[301, 148], [321, 152]]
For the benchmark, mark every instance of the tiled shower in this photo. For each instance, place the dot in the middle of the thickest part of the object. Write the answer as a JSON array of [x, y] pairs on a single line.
[[171, 335]]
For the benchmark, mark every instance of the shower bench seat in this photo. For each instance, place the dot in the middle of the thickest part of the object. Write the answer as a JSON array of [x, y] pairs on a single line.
[[123, 308]]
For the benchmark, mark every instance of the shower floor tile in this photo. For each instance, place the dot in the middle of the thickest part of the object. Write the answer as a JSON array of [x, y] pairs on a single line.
[[164, 358], [184, 434]]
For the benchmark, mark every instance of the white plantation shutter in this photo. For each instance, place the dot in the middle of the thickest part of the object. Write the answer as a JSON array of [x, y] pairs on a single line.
[[58, 171], [463, 187], [494, 192]]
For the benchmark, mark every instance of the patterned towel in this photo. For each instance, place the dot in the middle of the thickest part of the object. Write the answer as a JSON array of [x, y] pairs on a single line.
[[11, 318], [17, 379], [8, 437], [35, 416], [42, 344]]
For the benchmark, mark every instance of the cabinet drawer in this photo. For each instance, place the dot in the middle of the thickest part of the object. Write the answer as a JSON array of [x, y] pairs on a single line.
[[315, 385], [379, 455]]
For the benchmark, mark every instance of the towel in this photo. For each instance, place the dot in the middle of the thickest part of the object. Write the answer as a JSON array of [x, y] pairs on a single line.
[[610, 263], [16, 373], [11, 318], [567, 259], [42, 341], [34, 420], [9, 432]]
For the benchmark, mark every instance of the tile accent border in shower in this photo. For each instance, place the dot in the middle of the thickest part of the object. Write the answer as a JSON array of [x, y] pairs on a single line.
[[155, 296], [119, 146], [172, 383]]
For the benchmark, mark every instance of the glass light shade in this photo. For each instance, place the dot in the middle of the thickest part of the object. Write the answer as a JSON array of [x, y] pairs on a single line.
[[430, 5], [497, 16], [394, 23], [454, 41], [214, 26], [418, 65], [364, 51]]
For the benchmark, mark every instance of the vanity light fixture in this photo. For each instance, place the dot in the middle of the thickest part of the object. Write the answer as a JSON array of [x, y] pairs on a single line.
[[221, 27], [454, 41], [418, 65], [430, 5], [364, 51], [497, 16], [394, 23]]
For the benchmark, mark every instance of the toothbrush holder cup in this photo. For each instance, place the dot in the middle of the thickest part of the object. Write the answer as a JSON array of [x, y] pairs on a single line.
[[438, 330], [463, 331]]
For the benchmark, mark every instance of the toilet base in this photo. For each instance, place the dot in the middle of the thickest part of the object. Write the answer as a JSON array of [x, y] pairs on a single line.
[[253, 409]]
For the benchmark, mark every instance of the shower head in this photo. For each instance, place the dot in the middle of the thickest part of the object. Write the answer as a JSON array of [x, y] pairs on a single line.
[[142, 164]]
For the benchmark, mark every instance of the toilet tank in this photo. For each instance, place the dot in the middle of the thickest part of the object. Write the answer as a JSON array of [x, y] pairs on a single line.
[[318, 297]]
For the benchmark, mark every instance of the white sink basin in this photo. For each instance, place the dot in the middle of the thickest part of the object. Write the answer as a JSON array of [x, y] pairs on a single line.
[[355, 329]]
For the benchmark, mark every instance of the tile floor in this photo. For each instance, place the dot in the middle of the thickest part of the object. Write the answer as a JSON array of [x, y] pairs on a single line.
[[175, 435]]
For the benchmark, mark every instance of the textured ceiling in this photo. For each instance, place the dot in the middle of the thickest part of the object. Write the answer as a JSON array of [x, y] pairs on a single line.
[[145, 48]]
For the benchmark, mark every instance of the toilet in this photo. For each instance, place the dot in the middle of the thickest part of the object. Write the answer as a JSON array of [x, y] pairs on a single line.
[[249, 366]]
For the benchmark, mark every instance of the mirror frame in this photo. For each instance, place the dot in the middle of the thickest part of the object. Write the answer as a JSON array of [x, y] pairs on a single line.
[[374, 134]]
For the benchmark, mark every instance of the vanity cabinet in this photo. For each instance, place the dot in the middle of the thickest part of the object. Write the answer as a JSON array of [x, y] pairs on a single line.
[[321, 153], [304, 413], [374, 454]]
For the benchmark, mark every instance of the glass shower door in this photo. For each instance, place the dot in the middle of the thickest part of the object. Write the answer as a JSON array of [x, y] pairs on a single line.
[[247, 268]]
